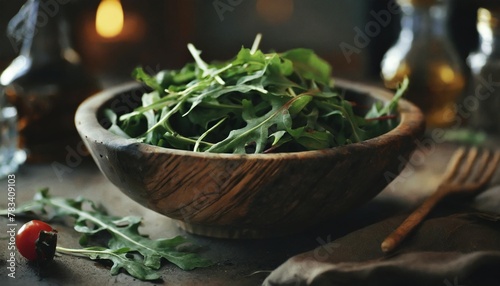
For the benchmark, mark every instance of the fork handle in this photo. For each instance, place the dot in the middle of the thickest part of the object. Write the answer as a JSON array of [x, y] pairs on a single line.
[[413, 220]]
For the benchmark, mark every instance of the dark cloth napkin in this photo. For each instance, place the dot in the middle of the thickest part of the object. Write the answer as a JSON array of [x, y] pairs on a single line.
[[456, 247]]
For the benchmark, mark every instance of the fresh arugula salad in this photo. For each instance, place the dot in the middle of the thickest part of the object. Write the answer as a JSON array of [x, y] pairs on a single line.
[[254, 103]]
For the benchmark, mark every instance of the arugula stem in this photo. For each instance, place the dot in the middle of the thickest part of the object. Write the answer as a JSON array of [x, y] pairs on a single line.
[[256, 43], [201, 64], [25, 207], [197, 144], [155, 106], [183, 138], [165, 118], [84, 252], [196, 56], [95, 220], [219, 71], [220, 105]]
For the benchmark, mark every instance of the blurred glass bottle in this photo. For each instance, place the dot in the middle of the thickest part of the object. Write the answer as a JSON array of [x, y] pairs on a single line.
[[10, 156], [485, 68], [45, 82], [424, 53]]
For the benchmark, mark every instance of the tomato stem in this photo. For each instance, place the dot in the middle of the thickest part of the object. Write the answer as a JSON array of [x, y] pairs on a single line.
[[45, 245]]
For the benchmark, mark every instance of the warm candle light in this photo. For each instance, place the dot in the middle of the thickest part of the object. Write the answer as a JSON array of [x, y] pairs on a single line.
[[109, 18], [275, 11]]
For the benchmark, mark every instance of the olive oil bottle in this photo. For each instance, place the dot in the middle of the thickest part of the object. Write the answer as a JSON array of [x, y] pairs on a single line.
[[424, 53], [46, 83]]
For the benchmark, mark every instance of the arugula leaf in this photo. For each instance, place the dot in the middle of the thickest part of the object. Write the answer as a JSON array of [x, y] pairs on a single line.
[[139, 74], [125, 237], [256, 130], [308, 65], [112, 117], [311, 139], [298, 105], [120, 258]]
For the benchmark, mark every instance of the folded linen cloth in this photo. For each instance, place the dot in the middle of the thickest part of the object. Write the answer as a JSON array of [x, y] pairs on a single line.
[[458, 249]]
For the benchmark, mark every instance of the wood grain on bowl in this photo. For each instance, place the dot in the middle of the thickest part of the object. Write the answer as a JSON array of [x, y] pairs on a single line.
[[247, 196]]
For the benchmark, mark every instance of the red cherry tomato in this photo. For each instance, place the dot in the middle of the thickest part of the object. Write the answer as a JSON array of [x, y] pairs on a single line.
[[36, 240]]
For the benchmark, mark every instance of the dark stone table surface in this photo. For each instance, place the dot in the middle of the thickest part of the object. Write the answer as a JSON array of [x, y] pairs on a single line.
[[238, 262]]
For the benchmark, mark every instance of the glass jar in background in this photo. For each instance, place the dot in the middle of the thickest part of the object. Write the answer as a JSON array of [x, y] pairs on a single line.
[[425, 54], [46, 82], [485, 69], [10, 156]]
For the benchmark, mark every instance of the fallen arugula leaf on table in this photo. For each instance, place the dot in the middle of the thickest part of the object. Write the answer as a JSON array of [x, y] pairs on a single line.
[[255, 103], [119, 257], [125, 240]]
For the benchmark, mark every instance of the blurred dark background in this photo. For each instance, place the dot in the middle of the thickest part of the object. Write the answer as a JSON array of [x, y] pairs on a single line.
[[155, 32]]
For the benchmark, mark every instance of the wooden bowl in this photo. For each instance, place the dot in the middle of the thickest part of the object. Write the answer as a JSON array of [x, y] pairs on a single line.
[[247, 196]]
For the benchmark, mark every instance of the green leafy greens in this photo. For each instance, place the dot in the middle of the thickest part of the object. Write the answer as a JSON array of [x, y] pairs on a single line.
[[126, 248], [254, 103]]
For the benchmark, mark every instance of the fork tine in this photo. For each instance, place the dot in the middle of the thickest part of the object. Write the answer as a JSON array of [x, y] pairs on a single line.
[[490, 170], [482, 166], [453, 165], [469, 163]]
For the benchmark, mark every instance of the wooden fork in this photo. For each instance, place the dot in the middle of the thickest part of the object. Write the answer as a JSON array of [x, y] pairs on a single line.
[[460, 177]]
